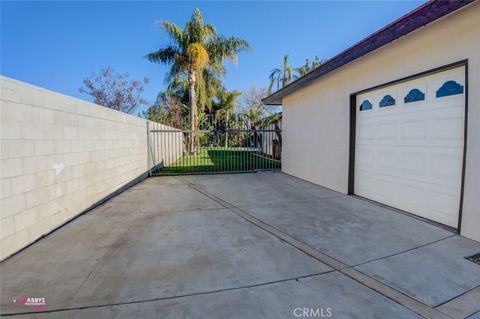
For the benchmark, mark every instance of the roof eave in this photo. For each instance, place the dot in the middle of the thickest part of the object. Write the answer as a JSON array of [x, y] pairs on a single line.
[[271, 100]]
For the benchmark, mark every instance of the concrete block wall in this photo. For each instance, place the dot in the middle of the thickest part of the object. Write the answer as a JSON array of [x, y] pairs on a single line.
[[60, 155]]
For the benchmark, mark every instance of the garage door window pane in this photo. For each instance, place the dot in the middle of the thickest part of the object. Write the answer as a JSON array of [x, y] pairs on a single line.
[[387, 100], [414, 95], [450, 88], [366, 105]]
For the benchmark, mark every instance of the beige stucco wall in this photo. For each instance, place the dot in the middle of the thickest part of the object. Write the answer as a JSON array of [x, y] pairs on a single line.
[[316, 118], [59, 155]]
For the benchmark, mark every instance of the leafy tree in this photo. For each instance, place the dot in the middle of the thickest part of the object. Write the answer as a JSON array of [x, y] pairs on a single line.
[[281, 76], [224, 106], [196, 52], [114, 90], [252, 108], [309, 66], [257, 114], [168, 110], [254, 115], [220, 104], [252, 98], [252, 118]]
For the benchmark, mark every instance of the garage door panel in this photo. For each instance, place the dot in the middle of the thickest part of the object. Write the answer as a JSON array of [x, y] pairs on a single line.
[[411, 196], [413, 163], [419, 198], [375, 187], [442, 201], [386, 160], [366, 132], [414, 130], [396, 192], [444, 167], [386, 190], [387, 131], [366, 159], [409, 155], [447, 131], [364, 185]]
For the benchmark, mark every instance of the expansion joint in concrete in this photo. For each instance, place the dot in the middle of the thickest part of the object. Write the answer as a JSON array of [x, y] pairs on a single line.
[[383, 289]]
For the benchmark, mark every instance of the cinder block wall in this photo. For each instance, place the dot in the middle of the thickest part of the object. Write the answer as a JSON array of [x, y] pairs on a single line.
[[59, 156]]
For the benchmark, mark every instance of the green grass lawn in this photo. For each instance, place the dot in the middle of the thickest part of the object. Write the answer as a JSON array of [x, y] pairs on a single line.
[[220, 159]]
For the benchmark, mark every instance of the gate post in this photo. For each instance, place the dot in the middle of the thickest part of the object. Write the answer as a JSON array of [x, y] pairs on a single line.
[[149, 162]]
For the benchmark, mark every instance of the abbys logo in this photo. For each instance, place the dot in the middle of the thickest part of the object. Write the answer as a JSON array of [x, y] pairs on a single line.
[[37, 303], [312, 312]]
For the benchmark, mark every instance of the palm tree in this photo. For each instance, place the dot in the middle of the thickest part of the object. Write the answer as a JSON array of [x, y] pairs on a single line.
[[307, 67], [196, 48], [253, 116], [226, 104], [281, 77]]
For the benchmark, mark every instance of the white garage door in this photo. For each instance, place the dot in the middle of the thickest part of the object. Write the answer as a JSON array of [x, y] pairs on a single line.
[[409, 145]]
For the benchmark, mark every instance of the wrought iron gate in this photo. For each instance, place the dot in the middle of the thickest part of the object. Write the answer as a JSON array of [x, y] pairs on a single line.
[[215, 151]]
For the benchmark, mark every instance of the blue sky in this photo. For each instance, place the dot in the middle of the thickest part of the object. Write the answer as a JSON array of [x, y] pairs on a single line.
[[56, 44]]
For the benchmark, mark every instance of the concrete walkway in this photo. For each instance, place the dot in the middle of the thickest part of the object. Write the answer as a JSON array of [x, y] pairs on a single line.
[[263, 245]]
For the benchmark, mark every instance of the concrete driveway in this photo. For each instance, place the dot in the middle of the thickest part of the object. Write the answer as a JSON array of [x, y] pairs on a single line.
[[262, 245]]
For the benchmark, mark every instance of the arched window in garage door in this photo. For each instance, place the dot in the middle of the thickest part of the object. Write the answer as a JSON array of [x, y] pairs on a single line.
[[387, 100], [450, 88], [366, 105], [414, 96]]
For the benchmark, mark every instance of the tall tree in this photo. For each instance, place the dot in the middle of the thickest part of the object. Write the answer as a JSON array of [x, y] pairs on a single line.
[[195, 48], [114, 90], [281, 76], [226, 104]]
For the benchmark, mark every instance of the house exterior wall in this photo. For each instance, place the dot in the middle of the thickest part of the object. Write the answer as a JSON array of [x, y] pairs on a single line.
[[60, 155], [316, 118]]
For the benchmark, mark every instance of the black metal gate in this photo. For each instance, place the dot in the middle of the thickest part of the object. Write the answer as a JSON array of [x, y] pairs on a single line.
[[213, 151]]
